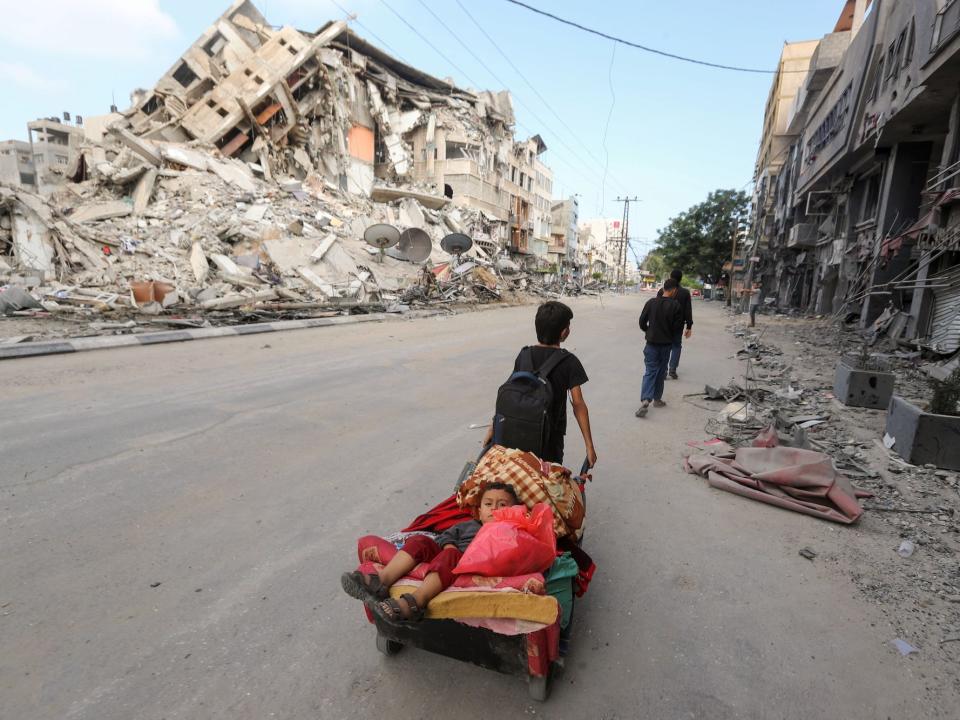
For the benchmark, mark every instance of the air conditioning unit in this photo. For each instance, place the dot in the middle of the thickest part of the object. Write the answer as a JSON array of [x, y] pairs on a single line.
[[803, 235]]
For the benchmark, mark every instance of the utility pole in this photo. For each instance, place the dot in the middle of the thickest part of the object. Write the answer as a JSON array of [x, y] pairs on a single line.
[[733, 256], [621, 244]]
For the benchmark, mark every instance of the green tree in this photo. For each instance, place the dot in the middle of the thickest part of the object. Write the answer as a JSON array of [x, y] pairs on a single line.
[[698, 241], [654, 263]]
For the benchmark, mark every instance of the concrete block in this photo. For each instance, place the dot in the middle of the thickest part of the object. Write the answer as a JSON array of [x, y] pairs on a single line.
[[921, 437], [862, 388]]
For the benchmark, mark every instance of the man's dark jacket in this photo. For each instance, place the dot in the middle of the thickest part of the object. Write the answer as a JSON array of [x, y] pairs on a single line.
[[686, 303], [661, 320]]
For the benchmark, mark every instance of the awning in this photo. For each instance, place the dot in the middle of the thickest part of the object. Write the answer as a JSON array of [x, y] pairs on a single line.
[[892, 245], [948, 197]]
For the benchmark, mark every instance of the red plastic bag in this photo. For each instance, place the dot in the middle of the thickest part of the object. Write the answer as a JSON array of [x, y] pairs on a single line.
[[514, 543]]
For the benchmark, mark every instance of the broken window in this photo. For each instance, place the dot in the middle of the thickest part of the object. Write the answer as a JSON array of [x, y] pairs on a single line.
[[871, 198], [456, 151], [151, 105], [214, 45], [61, 159], [911, 41], [898, 58], [447, 190], [878, 81], [184, 75], [212, 104]]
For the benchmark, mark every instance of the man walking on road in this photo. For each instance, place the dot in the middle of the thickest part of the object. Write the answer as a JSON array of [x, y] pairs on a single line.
[[686, 304], [754, 303], [661, 321]]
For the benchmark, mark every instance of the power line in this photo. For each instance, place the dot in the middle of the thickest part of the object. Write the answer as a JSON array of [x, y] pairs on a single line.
[[352, 17], [437, 50], [638, 46], [606, 129], [532, 87], [503, 84], [578, 172]]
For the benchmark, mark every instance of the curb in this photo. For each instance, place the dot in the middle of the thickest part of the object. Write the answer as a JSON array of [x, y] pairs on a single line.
[[107, 342]]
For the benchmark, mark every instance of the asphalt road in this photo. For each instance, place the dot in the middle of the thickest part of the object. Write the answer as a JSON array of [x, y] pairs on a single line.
[[174, 520]]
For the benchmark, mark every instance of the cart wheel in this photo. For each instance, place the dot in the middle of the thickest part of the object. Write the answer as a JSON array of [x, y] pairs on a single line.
[[538, 686], [387, 646]]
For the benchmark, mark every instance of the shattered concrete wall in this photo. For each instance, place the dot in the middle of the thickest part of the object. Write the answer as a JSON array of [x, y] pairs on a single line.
[[247, 177]]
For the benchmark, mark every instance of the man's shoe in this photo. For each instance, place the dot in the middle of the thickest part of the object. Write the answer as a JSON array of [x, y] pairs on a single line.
[[659, 403], [642, 411], [673, 375]]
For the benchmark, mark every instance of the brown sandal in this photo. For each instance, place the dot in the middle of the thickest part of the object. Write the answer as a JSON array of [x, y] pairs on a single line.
[[360, 586], [391, 610]]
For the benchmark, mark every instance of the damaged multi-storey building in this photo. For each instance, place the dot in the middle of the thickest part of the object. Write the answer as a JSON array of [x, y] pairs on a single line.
[[855, 213], [251, 170], [293, 102]]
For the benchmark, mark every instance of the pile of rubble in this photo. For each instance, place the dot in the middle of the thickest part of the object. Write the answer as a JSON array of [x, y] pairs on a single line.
[[904, 555], [191, 229], [241, 186]]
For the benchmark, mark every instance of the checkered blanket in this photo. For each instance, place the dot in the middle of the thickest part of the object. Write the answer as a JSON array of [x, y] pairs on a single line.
[[534, 480]]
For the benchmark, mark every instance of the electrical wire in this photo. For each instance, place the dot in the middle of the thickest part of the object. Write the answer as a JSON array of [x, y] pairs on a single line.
[[352, 17], [638, 46], [430, 44], [578, 172], [530, 110], [533, 87], [606, 129]]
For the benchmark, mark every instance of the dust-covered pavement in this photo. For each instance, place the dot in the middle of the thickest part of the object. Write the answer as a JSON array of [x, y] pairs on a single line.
[[175, 520], [918, 505]]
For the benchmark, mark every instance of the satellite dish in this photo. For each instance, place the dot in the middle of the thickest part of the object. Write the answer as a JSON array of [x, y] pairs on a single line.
[[415, 245], [381, 236], [456, 243]]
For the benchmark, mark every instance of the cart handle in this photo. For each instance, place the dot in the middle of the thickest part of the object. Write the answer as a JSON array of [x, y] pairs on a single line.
[[585, 469]]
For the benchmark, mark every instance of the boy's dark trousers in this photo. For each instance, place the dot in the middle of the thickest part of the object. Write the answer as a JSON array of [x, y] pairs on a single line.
[[675, 351], [656, 358]]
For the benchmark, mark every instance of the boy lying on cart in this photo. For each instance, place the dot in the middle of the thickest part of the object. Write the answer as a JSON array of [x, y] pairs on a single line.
[[442, 554]]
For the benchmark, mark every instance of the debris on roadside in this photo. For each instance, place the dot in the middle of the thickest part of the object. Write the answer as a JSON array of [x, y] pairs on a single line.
[[239, 189], [903, 647], [902, 555]]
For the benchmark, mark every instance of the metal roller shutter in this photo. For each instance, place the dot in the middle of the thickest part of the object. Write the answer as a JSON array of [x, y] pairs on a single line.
[[945, 326]]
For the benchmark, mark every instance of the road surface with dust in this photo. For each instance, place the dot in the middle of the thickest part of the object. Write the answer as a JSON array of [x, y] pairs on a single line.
[[175, 520]]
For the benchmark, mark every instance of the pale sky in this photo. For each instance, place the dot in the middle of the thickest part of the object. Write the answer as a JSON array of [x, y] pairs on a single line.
[[616, 122]]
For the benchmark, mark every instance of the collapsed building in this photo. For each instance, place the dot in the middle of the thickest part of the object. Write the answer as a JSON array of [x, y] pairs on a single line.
[[855, 205], [247, 176]]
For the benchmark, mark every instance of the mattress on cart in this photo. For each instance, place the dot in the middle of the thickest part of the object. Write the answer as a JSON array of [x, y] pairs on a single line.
[[506, 605]]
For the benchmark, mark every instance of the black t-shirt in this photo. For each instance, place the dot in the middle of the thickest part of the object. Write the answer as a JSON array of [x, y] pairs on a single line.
[[565, 376]]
